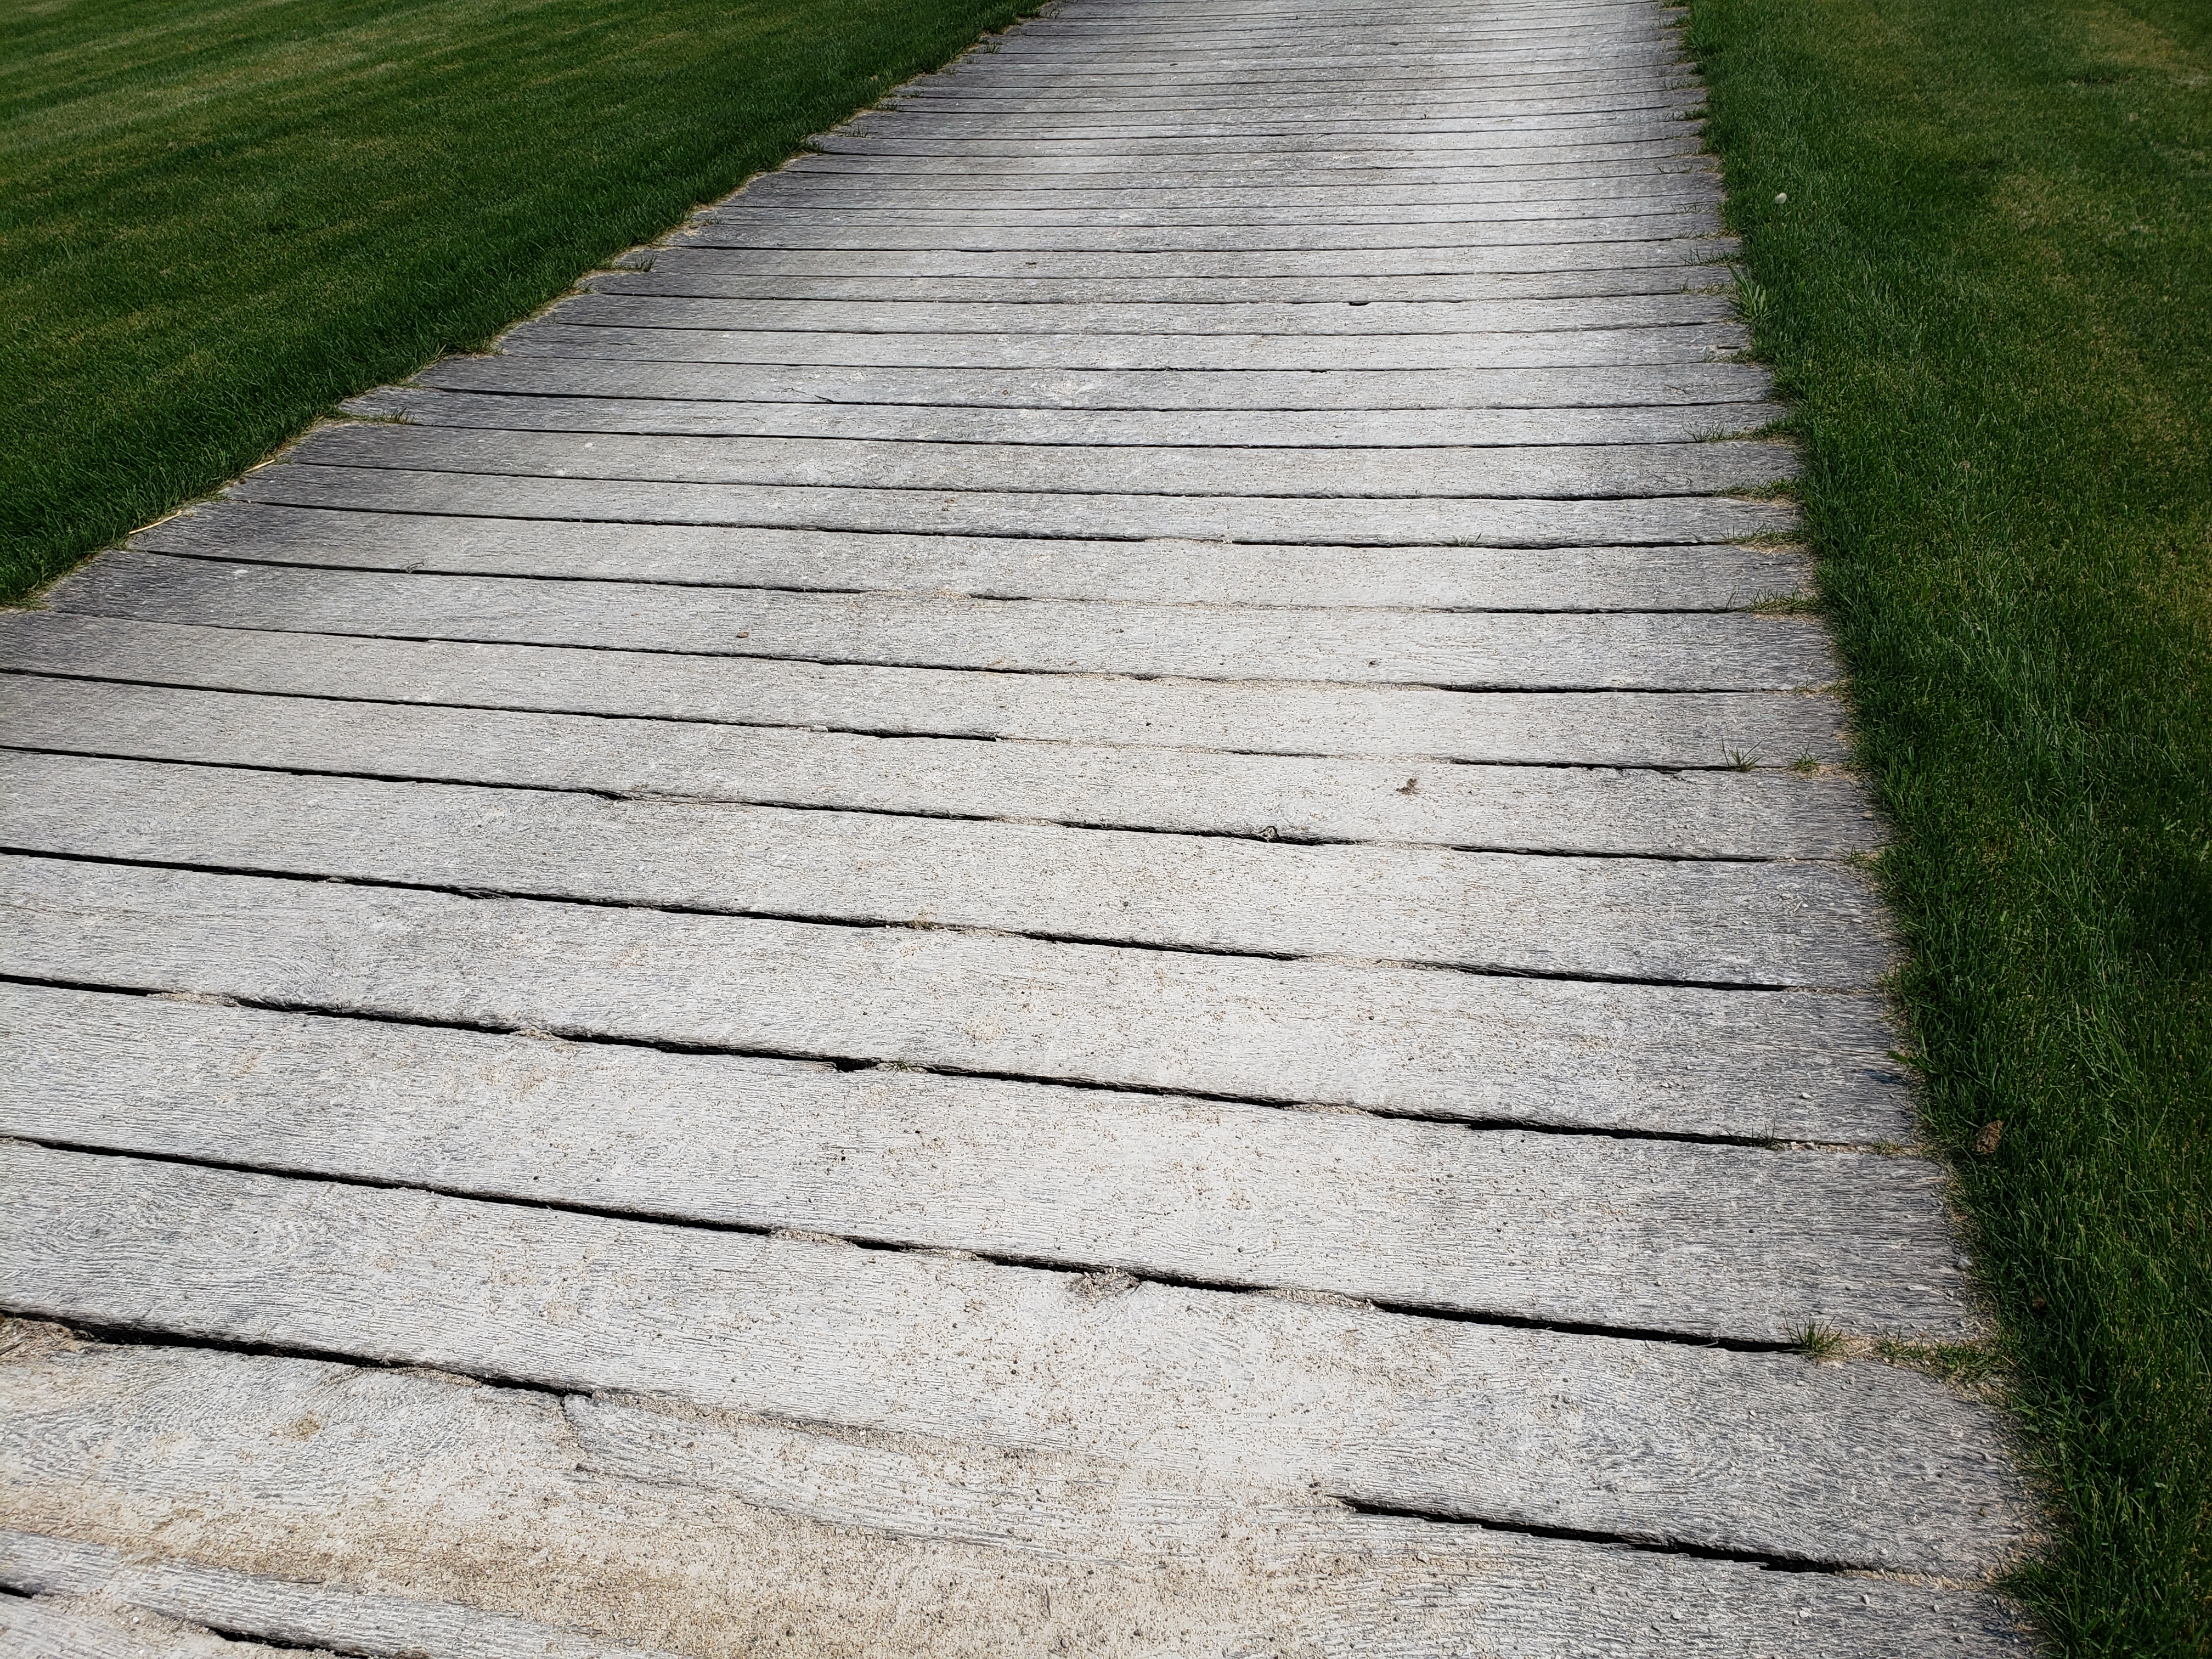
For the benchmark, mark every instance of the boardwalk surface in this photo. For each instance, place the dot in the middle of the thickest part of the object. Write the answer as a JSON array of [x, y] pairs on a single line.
[[1076, 892]]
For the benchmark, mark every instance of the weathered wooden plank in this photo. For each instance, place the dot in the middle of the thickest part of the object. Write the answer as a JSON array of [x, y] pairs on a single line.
[[1671, 919], [635, 302], [1369, 476], [1425, 1042], [1854, 1465], [1257, 121], [1662, 424], [1713, 814], [961, 209], [762, 1540], [1440, 148], [1692, 729], [1705, 577], [838, 161], [809, 231], [122, 1586], [1008, 184], [1525, 521], [1685, 343], [1586, 1230], [1694, 651], [720, 273], [1147, 390]]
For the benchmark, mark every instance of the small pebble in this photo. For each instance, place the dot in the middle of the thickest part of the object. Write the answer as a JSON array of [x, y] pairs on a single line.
[[1781, 196]]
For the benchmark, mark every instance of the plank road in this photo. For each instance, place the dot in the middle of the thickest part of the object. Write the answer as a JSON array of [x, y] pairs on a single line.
[[1083, 882]]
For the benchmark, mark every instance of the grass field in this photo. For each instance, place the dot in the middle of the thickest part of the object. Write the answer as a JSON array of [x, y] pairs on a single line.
[[218, 218], [1988, 292]]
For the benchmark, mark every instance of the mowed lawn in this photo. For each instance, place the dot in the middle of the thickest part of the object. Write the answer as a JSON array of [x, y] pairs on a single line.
[[1989, 294], [218, 218]]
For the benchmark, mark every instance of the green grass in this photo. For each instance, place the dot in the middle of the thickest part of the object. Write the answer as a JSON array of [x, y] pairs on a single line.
[[217, 219], [1989, 296]]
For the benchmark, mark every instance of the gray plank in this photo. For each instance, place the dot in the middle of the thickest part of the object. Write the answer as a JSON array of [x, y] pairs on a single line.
[[1585, 1229], [1707, 577], [1368, 475], [961, 211], [1692, 651], [1535, 809], [1434, 149], [1525, 521], [762, 1538], [59, 1571], [1690, 730], [840, 160], [1671, 919], [1680, 343], [1856, 1465], [723, 273], [1501, 195], [1138, 390], [810, 231], [1312, 429], [1744, 1065], [635, 301]]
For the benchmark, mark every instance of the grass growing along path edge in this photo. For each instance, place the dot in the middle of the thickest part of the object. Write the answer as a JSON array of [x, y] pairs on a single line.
[[221, 218], [1978, 239]]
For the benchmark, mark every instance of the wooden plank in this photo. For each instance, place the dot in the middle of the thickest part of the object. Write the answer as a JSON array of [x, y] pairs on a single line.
[[1695, 651], [1585, 1229], [1585, 386], [1587, 809], [1441, 149], [1851, 1465], [1675, 423], [716, 273], [1698, 577], [810, 231], [760, 1539], [1507, 522], [837, 162], [1692, 343], [962, 210], [1742, 1065], [1692, 729], [1661, 919], [1369, 475], [121, 1587], [635, 302], [1361, 193]]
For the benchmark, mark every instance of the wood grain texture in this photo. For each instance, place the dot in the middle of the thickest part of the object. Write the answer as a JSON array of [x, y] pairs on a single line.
[[1425, 1042], [1675, 344], [1663, 920], [1692, 729], [67, 1575], [1710, 814], [1170, 389], [1581, 1230], [81, 1627], [764, 1540], [1368, 476], [1511, 523], [1600, 651], [1851, 1465], [1295, 431]]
